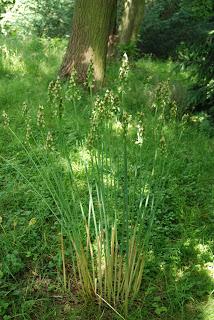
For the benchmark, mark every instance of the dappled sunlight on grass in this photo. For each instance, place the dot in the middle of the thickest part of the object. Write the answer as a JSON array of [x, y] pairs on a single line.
[[208, 309], [78, 161], [12, 61]]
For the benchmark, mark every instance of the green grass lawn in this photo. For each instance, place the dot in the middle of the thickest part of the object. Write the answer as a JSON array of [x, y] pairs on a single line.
[[160, 161]]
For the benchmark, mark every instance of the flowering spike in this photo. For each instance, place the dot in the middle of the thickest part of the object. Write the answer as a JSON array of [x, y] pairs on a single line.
[[72, 92], [25, 109], [41, 117], [6, 120], [124, 69], [140, 130], [49, 143], [90, 79], [123, 73], [28, 133], [55, 97]]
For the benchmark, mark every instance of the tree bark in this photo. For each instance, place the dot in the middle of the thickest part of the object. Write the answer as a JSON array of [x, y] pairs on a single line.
[[132, 17], [113, 34], [89, 39]]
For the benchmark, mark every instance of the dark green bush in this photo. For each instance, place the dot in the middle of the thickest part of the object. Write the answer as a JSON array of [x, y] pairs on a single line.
[[183, 30], [167, 24], [200, 57]]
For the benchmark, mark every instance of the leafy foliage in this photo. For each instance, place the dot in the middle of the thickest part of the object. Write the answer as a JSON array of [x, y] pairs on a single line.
[[184, 30], [5, 5], [200, 57], [44, 18], [167, 24]]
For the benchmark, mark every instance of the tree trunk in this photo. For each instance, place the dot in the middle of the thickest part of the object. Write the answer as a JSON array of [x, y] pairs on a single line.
[[113, 34], [132, 17], [89, 39]]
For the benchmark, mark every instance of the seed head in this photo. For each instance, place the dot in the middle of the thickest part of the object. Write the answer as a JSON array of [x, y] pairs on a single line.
[[90, 79], [111, 102], [55, 97], [99, 108], [185, 118], [29, 133], [32, 222], [125, 120], [123, 73], [25, 109], [54, 90], [173, 109], [6, 120], [163, 144], [41, 117], [49, 143], [72, 92], [50, 91], [140, 134]]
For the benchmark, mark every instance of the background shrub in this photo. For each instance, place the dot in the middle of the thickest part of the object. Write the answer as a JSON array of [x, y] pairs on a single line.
[[43, 18], [200, 57], [167, 24]]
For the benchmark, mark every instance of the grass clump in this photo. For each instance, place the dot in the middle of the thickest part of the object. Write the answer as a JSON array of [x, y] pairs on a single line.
[[115, 204]]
